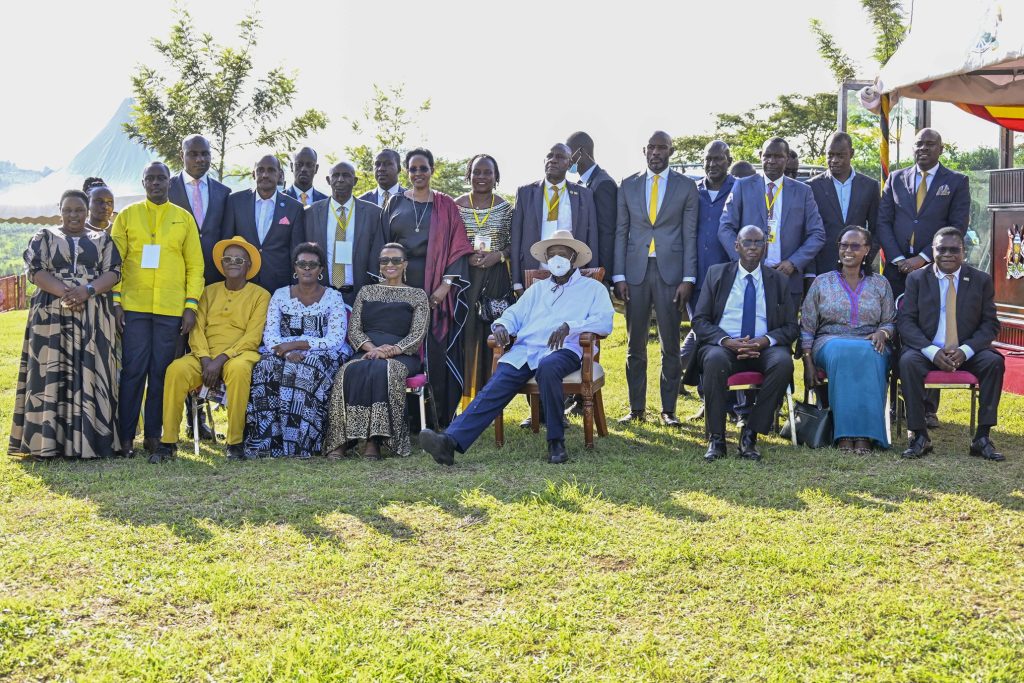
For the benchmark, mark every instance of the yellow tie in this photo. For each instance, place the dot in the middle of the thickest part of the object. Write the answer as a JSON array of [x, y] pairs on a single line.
[[952, 337], [652, 209], [922, 189], [339, 275], [553, 204]]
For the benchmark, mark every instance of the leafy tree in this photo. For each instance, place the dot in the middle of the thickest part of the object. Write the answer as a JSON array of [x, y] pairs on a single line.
[[210, 89], [386, 118]]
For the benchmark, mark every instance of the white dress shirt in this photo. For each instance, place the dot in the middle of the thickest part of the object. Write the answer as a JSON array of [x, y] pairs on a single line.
[[204, 191], [392, 191], [582, 303], [333, 210], [940, 332], [732, 316], [564, 221], [264, 212], [774, 254]]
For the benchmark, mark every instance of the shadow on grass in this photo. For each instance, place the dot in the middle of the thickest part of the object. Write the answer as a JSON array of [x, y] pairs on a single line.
[[642, 466]]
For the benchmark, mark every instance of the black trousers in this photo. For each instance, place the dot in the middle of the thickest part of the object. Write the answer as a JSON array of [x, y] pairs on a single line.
[[652, 293], [718, 362], [987, 365], [147, 348]]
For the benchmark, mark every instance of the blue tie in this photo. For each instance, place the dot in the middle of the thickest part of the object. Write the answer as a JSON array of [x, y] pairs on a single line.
[[749, 309]]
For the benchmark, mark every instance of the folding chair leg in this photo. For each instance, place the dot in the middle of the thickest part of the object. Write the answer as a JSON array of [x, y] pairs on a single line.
[[974, 407], [899, 411], [423, 409], [195, 426], [209, 419], [792, 414]]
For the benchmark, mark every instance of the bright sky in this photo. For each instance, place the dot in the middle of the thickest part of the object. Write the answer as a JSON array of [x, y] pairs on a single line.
[[509, 82]]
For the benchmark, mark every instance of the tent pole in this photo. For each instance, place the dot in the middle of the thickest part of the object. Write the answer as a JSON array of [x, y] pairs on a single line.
[[1005, 147]]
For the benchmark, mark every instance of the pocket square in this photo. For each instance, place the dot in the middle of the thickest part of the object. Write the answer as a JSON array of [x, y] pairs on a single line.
[[942, 191], [284, 221]]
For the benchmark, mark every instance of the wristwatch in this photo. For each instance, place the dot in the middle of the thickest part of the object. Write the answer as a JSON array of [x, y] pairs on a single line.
[[92, 290]]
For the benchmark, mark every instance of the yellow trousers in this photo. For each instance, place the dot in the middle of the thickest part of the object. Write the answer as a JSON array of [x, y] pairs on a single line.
[[186, 374]]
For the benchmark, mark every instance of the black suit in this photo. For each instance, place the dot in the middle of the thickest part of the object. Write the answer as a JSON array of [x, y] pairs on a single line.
[[320, 226], [862, 211], [977, 327], [715, 363], [314, 194], [286, 232], [211, 231], [605, 193], [373, 197], [528, 221]]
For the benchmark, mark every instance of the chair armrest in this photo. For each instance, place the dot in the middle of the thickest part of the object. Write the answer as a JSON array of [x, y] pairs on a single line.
[[588, 339], [498, 350]]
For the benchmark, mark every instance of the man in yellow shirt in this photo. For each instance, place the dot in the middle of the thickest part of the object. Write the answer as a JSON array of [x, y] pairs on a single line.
[[225, 343], [155, 302]]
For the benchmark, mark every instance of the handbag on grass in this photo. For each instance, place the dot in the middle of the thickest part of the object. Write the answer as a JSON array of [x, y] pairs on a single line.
[[490, 308], [813, 423]]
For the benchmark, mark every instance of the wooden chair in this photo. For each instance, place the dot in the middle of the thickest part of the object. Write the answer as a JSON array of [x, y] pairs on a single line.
[[587, 381]]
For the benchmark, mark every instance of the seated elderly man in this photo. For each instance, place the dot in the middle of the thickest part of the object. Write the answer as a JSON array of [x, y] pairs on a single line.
[[547, 322], [224, 342], [744, 321]]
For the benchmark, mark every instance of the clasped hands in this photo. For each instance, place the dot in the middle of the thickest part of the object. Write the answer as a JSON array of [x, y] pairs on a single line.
[[555, 341], [745, 347], [381, 352], [949, 360], [909, 265], [212, 369], [290, 350], [75, 297]]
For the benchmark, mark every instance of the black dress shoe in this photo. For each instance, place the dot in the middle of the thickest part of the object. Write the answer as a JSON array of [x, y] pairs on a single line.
[[633, 416], [236, 452], [918, 446], [556, 452], [716, 448], [440, 446], [151, 444], [931, 420], [748, 445], [670, 420], [984, 448]]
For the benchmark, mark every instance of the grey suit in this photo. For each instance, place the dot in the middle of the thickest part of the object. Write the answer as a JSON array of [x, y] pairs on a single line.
[[653, 281], [320, 227]]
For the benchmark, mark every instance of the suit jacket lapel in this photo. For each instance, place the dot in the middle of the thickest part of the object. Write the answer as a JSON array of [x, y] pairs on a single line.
[[725, 286], [833, 198], [672, 179], [758, 189], [787, 202], [770, 302], [908, 182], [935, 294], [962, 291]]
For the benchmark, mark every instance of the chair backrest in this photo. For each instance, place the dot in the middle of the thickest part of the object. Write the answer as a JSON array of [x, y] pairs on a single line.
[[541, 274]]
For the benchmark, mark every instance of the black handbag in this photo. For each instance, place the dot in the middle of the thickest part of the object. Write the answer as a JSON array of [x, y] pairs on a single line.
[[813, 423], [490, 308]]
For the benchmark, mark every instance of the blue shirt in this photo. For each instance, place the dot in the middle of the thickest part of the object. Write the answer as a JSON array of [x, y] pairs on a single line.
[[843, 192], [582, 303]]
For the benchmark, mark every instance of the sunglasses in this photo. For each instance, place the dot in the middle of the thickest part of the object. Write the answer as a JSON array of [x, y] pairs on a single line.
[[846, 246], [307, 265], [947, 250], [749, 244], [233, 260], [393, 260], [419, 169]]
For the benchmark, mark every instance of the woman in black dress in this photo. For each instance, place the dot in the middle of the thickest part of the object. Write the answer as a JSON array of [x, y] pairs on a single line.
[[428, 225]]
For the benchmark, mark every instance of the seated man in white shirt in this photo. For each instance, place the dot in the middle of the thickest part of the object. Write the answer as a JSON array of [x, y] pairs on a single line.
[[547, 322]]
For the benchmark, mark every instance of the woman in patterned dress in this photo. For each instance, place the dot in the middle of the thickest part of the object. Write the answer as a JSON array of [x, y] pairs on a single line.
[[67, 383], [846, 322], [303, 347], [488, 220], [388, 324]]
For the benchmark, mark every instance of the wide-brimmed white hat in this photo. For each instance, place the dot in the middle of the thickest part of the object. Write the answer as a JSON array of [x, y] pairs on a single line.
[[539, 250]]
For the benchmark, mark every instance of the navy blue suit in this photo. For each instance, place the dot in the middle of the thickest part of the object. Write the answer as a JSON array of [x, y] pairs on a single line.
[[287, 231], [801, 232], [211, 231], [709, 217], [904, 231], [605, 197]]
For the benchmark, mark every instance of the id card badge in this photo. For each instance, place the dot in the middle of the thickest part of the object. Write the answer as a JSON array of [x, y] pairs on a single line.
[[482, 243], [773, 228], [343, 253], [150, 256]]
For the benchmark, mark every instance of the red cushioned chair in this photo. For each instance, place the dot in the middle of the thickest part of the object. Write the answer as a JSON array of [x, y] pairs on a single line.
[[417, 385], [940, 379], [740, 381]]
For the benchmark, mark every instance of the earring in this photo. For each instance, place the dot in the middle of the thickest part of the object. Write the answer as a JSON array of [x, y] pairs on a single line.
[[320, 276], [403, 276], [295, 276]]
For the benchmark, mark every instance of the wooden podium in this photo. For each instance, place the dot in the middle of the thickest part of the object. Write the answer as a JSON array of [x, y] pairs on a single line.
[[1006, 204]]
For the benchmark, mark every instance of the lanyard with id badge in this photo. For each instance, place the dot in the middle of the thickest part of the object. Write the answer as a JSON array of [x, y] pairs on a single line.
[[773, 222], [151, 252]]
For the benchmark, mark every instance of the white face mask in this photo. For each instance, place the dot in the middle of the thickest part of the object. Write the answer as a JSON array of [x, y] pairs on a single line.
[[559, 265]]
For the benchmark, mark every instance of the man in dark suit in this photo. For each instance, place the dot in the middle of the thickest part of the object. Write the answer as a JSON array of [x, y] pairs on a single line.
[[785, 211], [655, 268], [349, 229], [549, 205], [195, 191], [269, 220], [909, 213], [304, 170], [386, 166], [948, 321], [745, 321], [598, 181], [844, 198]]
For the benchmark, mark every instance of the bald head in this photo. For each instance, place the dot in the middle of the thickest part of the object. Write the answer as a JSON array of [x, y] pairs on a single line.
[[304, 168], [195, 155], [716, 164], [658, 151], [342, 179]]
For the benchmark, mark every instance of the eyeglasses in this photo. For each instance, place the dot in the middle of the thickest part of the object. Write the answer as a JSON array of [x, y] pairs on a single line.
[[393, 260], [419, 169], [847, 246], [750, 244], [307, 265], [233, 260], [947, 250]]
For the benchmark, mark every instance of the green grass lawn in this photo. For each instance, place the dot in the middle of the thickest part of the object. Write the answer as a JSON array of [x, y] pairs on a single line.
[[637, 561]]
